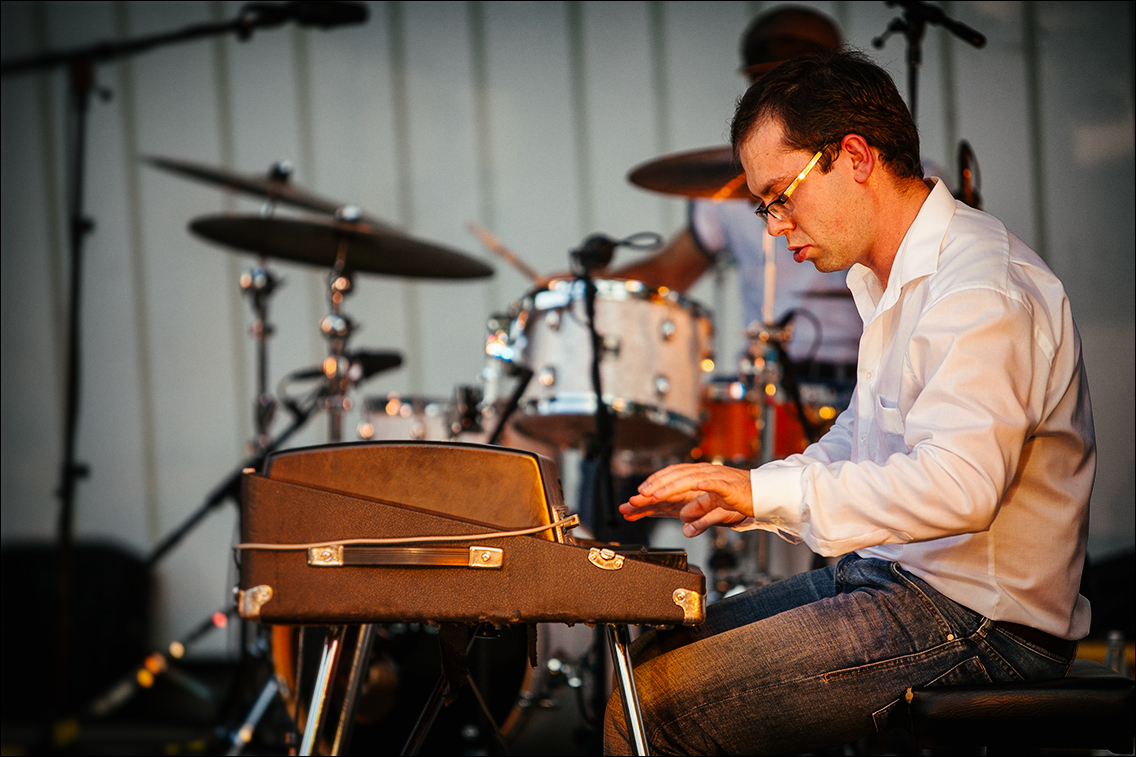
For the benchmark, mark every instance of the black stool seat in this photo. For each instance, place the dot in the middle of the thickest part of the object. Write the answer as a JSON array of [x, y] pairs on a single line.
[[1090, 708]]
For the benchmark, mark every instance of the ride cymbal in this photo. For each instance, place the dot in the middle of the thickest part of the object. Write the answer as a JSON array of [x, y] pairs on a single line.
[[709, 172], [369, 247]]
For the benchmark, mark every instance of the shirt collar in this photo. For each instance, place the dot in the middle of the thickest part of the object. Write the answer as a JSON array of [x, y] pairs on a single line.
[[918, 255]]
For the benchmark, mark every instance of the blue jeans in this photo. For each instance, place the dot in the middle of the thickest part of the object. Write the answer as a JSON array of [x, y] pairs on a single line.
[[814, 661]]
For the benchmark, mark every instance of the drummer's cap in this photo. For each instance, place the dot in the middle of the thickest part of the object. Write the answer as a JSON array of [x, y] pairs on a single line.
[[786, 32]]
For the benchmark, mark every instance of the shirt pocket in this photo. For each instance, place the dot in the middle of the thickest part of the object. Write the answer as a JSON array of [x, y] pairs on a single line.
[[888, 429]]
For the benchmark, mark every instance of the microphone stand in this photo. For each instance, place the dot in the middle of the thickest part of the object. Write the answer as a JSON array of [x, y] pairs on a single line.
[[916, 16], [81, 82], [230, 486], [596, 253]]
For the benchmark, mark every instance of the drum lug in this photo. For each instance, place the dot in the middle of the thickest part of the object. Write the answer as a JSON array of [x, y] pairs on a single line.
[[546, 376], [662, 385], [612, 345], [668, 330]]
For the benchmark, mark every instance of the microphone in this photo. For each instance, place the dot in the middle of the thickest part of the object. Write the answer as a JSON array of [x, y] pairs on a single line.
[[595, 252]]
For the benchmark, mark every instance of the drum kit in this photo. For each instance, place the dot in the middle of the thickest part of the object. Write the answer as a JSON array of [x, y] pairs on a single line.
[[650, 349], [657, 345]]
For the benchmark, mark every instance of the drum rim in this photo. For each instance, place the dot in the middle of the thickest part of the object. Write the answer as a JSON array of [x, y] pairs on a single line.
[[623, 408], [617, 289]]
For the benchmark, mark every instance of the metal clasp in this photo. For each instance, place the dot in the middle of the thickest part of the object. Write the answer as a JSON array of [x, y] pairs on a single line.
[[605, 558], [691, 604], [251, 600]]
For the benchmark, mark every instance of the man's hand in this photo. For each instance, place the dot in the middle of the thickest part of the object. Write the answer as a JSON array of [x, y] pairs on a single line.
[[700, 495]]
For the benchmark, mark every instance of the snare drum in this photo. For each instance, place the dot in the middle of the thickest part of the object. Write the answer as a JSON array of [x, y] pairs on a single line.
[[655, 343]]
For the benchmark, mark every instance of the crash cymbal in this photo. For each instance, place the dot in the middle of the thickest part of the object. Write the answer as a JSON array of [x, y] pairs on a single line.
[[370, 247], [710, 172], [273, 185]]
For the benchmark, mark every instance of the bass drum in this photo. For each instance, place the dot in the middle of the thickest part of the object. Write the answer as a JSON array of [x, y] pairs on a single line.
[[731, 432], [655, 344], [403, 668]]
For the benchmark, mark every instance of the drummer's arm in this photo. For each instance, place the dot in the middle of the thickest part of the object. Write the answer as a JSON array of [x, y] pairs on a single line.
[[677, 266]]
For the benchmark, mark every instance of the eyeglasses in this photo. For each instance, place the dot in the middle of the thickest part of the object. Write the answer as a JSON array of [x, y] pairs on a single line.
[[777, 208]]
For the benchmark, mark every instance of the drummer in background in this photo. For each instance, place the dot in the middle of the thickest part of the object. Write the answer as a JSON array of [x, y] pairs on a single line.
[[721, 227]]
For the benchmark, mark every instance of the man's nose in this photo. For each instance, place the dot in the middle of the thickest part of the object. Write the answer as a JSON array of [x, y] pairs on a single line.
[[777, 227]]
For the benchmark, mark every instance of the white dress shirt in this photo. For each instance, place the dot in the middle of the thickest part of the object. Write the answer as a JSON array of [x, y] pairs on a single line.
[[967, 453]]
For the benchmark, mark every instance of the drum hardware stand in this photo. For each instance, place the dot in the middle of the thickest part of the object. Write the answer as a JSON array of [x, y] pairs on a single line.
[[155, 664], [466, 416], [524, 376], [333, 643], [259, 284], [243, 735], [337, 329]]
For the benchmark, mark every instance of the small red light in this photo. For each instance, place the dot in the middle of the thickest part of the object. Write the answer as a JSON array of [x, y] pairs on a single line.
[[220, 619]]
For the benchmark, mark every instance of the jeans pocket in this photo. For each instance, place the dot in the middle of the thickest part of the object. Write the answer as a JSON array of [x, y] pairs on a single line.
[[970, 671], [891, 717]]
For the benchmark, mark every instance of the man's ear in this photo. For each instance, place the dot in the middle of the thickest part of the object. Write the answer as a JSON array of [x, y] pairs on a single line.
[[863, 157]]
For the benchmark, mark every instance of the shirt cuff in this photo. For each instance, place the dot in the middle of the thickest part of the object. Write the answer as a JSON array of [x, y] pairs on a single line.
[[777, 497]]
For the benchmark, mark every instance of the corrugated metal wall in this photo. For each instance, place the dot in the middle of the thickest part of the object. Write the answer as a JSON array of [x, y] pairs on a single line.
[[525, 116]]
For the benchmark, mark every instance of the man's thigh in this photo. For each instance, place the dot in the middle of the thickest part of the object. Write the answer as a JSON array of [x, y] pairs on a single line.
[[814, 675]]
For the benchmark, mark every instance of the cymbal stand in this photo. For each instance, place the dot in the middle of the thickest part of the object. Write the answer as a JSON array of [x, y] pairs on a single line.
[[258, 283], [337, 329]]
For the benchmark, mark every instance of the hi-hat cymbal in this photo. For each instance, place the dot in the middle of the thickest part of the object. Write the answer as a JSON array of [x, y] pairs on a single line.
[[369, 247], [276, 188], [709, 172]]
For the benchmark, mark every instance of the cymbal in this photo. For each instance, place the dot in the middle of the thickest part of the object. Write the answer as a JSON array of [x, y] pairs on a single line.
[[266, 186], [370, 247], [709, 172]]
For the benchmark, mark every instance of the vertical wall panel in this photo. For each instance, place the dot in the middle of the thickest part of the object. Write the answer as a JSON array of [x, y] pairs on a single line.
[[444, 190], [621, 114], [532, 137], [200, 419], [1084, 51], [30, 314]]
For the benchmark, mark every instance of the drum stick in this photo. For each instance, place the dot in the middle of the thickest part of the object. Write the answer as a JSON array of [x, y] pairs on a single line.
[[494, 244]]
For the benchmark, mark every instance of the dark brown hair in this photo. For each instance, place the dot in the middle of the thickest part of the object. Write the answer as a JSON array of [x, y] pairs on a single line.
[[818, 99]]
